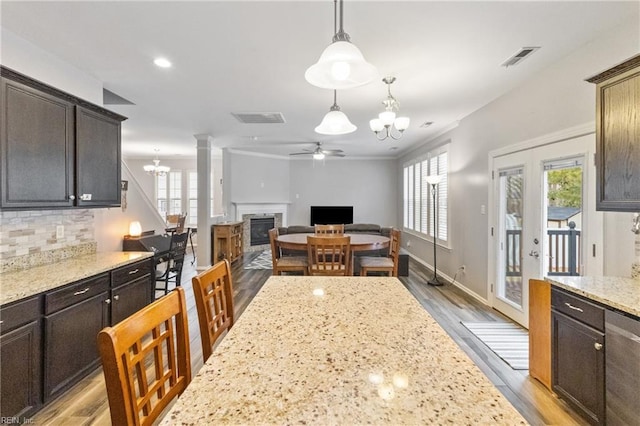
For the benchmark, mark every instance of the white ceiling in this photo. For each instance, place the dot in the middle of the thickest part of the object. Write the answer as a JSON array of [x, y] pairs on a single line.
[[241, 56]]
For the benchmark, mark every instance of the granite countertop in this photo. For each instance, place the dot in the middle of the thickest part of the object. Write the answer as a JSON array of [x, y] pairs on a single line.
[[18, 285], [339, 350], [617, 292]]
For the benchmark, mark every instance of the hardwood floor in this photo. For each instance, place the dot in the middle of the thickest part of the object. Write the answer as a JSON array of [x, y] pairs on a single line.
[[86, 403]]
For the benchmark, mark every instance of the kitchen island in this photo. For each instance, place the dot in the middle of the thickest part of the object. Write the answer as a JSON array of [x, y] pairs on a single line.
[[339, 350]]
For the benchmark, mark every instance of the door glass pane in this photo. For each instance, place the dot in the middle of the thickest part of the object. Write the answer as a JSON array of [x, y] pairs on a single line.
[[563, 188], [511, 185]]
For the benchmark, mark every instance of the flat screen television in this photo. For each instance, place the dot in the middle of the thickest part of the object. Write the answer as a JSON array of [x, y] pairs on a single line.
[[331, 215]]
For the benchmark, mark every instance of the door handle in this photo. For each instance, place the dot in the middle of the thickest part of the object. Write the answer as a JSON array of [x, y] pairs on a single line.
[[534, 253]]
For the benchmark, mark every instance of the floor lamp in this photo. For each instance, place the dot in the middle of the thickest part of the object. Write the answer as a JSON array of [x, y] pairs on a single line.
[[434, 180]]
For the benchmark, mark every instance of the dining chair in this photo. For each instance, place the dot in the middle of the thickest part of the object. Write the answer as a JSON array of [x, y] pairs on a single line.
[[175, 222], [329, 255], [146, 360], [213, 291], [173, 262], [383, 264], [329, 230], [285, 263]]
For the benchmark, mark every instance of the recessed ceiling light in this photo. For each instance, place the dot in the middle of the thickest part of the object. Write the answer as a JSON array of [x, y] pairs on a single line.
[[162, 62]]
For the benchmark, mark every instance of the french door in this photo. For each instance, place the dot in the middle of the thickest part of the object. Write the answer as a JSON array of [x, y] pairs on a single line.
[[542, 220]]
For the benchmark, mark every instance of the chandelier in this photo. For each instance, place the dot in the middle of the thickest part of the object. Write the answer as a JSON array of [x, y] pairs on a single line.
[[156, 169], [335, 122], [341, 65], [387, 122]]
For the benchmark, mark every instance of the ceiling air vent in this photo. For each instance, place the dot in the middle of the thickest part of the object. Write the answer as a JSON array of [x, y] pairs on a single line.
[[520, 55], [259, 117]]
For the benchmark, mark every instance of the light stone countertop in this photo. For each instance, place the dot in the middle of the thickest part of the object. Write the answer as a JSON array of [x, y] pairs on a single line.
[[20, 284], [363, 352], [617, 292]]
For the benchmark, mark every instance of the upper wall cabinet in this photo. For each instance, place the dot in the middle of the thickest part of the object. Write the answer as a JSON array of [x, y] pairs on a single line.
[[618, 137], [56, 150]]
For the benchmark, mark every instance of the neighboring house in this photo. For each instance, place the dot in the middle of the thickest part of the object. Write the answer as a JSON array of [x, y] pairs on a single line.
[[559, 217]]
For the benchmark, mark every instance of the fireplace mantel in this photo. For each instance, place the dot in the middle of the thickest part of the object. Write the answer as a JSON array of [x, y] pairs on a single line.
[[262, 208]]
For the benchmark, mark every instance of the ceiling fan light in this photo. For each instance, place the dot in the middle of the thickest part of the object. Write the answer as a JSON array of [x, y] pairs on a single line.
[[376, 125], [335, 123], [341, 66], [401, 123], [318, 156], [387, 117]]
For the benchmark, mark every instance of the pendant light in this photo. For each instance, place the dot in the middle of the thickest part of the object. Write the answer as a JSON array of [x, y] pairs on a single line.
[[387, 122], [156, 169], [335, 122], [341, 65]]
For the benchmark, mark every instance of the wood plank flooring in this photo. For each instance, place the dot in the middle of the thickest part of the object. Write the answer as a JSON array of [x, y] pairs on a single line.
[[86, 403]]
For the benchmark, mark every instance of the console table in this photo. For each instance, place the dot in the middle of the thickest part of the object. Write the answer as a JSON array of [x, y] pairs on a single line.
[[226, 241]]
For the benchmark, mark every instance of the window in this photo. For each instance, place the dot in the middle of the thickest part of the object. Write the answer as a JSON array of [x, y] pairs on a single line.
[[169, 193], [418, 199], [192, 217]]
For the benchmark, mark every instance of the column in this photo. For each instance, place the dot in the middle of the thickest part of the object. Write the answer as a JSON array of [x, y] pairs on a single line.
[[204, 142]]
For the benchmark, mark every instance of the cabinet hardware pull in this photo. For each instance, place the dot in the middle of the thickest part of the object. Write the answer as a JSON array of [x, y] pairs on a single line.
[[72, 197], [1, 322], [598, 346], [108, 301], [116, 297], [135, 271], [78, 293], [575, 308]]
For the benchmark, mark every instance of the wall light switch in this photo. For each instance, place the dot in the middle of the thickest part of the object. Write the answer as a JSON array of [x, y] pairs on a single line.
[[60, 231], [483, 209]]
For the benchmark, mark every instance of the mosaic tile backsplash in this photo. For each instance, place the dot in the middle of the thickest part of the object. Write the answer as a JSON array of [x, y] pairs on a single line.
[[29, 238]]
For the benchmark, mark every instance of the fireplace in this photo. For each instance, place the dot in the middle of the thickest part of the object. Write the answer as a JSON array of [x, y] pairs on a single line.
[[259, 229]]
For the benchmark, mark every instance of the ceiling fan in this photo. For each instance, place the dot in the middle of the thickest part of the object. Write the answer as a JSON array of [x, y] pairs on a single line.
[[319, 153]]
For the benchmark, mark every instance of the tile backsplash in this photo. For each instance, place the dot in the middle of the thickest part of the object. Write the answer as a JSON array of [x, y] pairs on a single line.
[[32, 238]]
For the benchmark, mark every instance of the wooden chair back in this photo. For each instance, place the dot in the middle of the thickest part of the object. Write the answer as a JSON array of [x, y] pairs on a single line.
[[329, 230], [177, 221], [329, 255], [213, 291], [146, 360], [394, 249], [174, 262], [275, 250]]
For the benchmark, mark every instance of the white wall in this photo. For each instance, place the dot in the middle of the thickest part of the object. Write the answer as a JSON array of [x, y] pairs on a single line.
[[367, 185], [557, 98], [26, 58]]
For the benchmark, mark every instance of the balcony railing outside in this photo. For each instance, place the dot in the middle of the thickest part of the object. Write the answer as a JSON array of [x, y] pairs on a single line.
[[563, 251]]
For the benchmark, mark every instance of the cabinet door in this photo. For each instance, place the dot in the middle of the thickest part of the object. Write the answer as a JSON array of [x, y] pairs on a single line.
[[36, 148], [20, 375], [71, 349], [130, 298], [97, 159], [578, 366]]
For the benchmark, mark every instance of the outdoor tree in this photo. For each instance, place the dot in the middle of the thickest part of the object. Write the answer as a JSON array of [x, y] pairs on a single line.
[[565, 187]]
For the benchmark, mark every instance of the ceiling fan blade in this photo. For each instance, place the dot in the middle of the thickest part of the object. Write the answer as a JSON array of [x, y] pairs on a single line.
[[301, 153], [331, 151], [334, 154]]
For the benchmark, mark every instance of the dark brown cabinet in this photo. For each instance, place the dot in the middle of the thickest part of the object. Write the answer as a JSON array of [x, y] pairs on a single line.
[[618, 137], [578, 355], [57, 150], [73, 317], [132, 289], [21, 355], [37, 148]]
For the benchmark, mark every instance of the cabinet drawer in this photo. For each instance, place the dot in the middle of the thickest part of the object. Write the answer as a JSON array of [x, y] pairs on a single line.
[[75, 293], [20, 313], [578, 308], [130, 273]]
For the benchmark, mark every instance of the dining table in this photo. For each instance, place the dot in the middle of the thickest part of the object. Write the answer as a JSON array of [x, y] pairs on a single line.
[[339, 350]]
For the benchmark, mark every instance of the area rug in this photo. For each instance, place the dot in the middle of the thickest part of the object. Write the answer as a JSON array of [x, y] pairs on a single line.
[[263, 261], [509, 341]]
